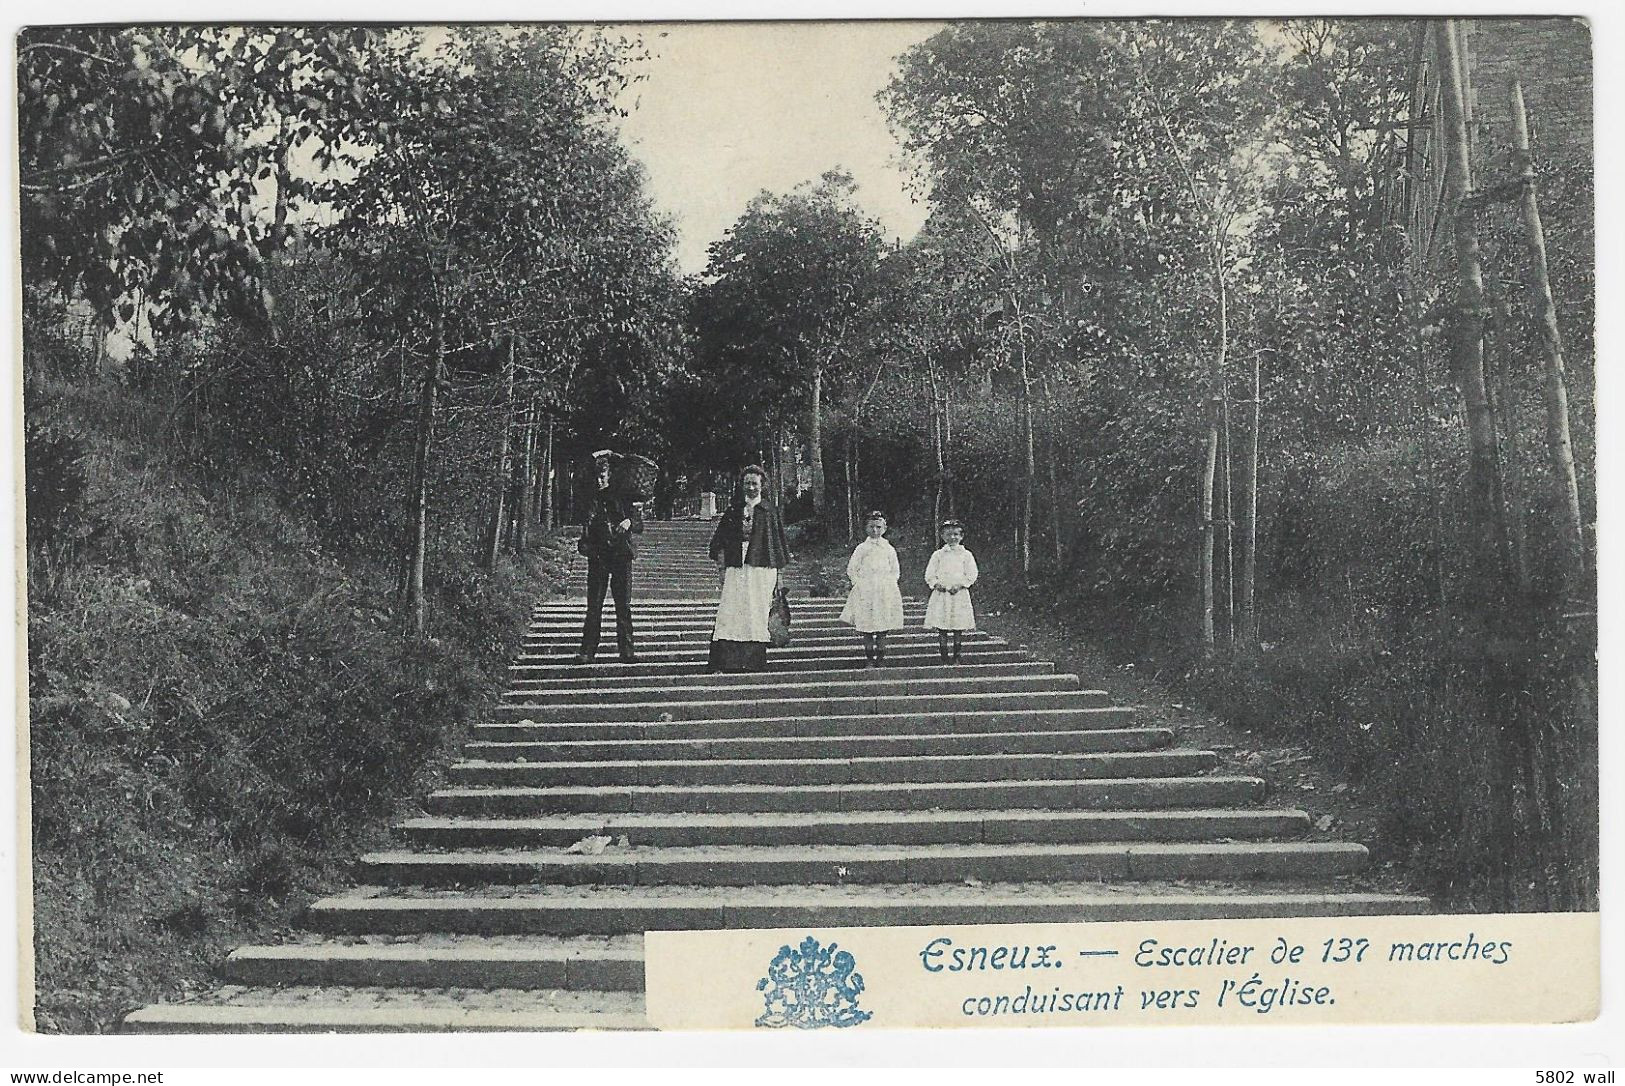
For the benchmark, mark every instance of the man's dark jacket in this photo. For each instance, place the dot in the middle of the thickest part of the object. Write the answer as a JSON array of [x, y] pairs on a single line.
[[606, 508]]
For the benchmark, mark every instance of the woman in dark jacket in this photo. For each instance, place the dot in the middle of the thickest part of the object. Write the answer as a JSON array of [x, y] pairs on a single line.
[[749, 548]]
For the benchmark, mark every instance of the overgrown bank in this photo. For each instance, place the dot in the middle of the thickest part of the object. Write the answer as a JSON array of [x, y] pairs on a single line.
[[222, 711]]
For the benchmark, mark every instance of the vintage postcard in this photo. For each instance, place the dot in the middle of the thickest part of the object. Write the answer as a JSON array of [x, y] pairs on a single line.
[[808, 526]]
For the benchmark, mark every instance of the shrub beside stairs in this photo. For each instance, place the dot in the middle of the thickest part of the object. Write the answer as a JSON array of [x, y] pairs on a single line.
[[611, 800]]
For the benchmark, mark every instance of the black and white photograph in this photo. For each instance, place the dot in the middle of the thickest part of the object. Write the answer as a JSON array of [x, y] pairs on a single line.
[[491, 491]]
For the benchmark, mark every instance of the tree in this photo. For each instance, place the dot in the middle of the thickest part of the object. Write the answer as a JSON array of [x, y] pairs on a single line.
[[1014, 125], [782, 299], [1203, 91], [926, 321], [146, 154], [1046, 135], [485, 176]]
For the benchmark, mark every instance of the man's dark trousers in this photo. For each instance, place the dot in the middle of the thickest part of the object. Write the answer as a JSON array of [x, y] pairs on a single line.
[[616, 575]]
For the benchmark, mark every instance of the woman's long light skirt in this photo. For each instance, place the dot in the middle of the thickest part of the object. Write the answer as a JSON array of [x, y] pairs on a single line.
[[740, 639]]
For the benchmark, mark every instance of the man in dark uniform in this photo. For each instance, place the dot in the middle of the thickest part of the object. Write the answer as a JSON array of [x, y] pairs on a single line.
[[606, 541]]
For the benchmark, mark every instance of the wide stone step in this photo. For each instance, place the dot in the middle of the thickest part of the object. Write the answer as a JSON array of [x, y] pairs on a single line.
[[609, 964], [848, 658], [698, 582], [681, 558], [925, 670], [854, 704], [752, 865], [810, 746], [1105, 793], [834, 652], [603, 910], [815, 771], [682, 562], [700, 578], [704, 603], [684, 557], [701, 606], [1000, 719], [653, 584], [384, 1010], [843, 638], [651, 568], [906, 682], [650, 592], [855, 827], [916, 644], [581, 680], [701, 635], [702, 618]]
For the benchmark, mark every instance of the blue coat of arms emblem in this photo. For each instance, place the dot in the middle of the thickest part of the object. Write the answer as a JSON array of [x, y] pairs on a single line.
[[810, 987]]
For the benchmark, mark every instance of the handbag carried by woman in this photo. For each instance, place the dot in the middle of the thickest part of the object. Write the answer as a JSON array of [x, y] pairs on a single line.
[[778, 618]]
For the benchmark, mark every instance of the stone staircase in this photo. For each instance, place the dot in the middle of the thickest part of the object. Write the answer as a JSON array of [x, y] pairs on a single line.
[[818, 794]]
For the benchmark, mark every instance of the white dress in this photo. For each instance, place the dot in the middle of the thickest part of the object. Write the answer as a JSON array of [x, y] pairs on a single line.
[[950, 567], [875, 603]]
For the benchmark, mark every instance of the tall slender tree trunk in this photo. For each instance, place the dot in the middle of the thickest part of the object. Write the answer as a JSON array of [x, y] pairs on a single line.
[[1470, 312], [279, 225], [776, 464], [1513, 496], [493, 539], [522, 491], [1204, 571], [544, 486], [1029, 463], [1578, 846], [416, 607], [1482, 619], [1247, 614], [1559, 445], [936, 446], [850, 465], [1228, 458], [1057, 544], [815, 441], [566, 493], [1210, 471], [1422, 418]]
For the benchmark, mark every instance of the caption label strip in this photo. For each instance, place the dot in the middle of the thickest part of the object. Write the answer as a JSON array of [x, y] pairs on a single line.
[[1522, 967]]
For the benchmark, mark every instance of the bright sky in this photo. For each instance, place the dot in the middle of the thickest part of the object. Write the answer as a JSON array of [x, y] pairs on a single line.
[[728, 110]]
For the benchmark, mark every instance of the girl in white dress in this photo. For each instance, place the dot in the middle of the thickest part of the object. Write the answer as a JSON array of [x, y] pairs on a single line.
[[875, 604], [949, 575]]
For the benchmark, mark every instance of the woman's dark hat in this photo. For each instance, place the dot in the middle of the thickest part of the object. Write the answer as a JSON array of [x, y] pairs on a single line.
[[753, 469], [874, 514], [951, 522]]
